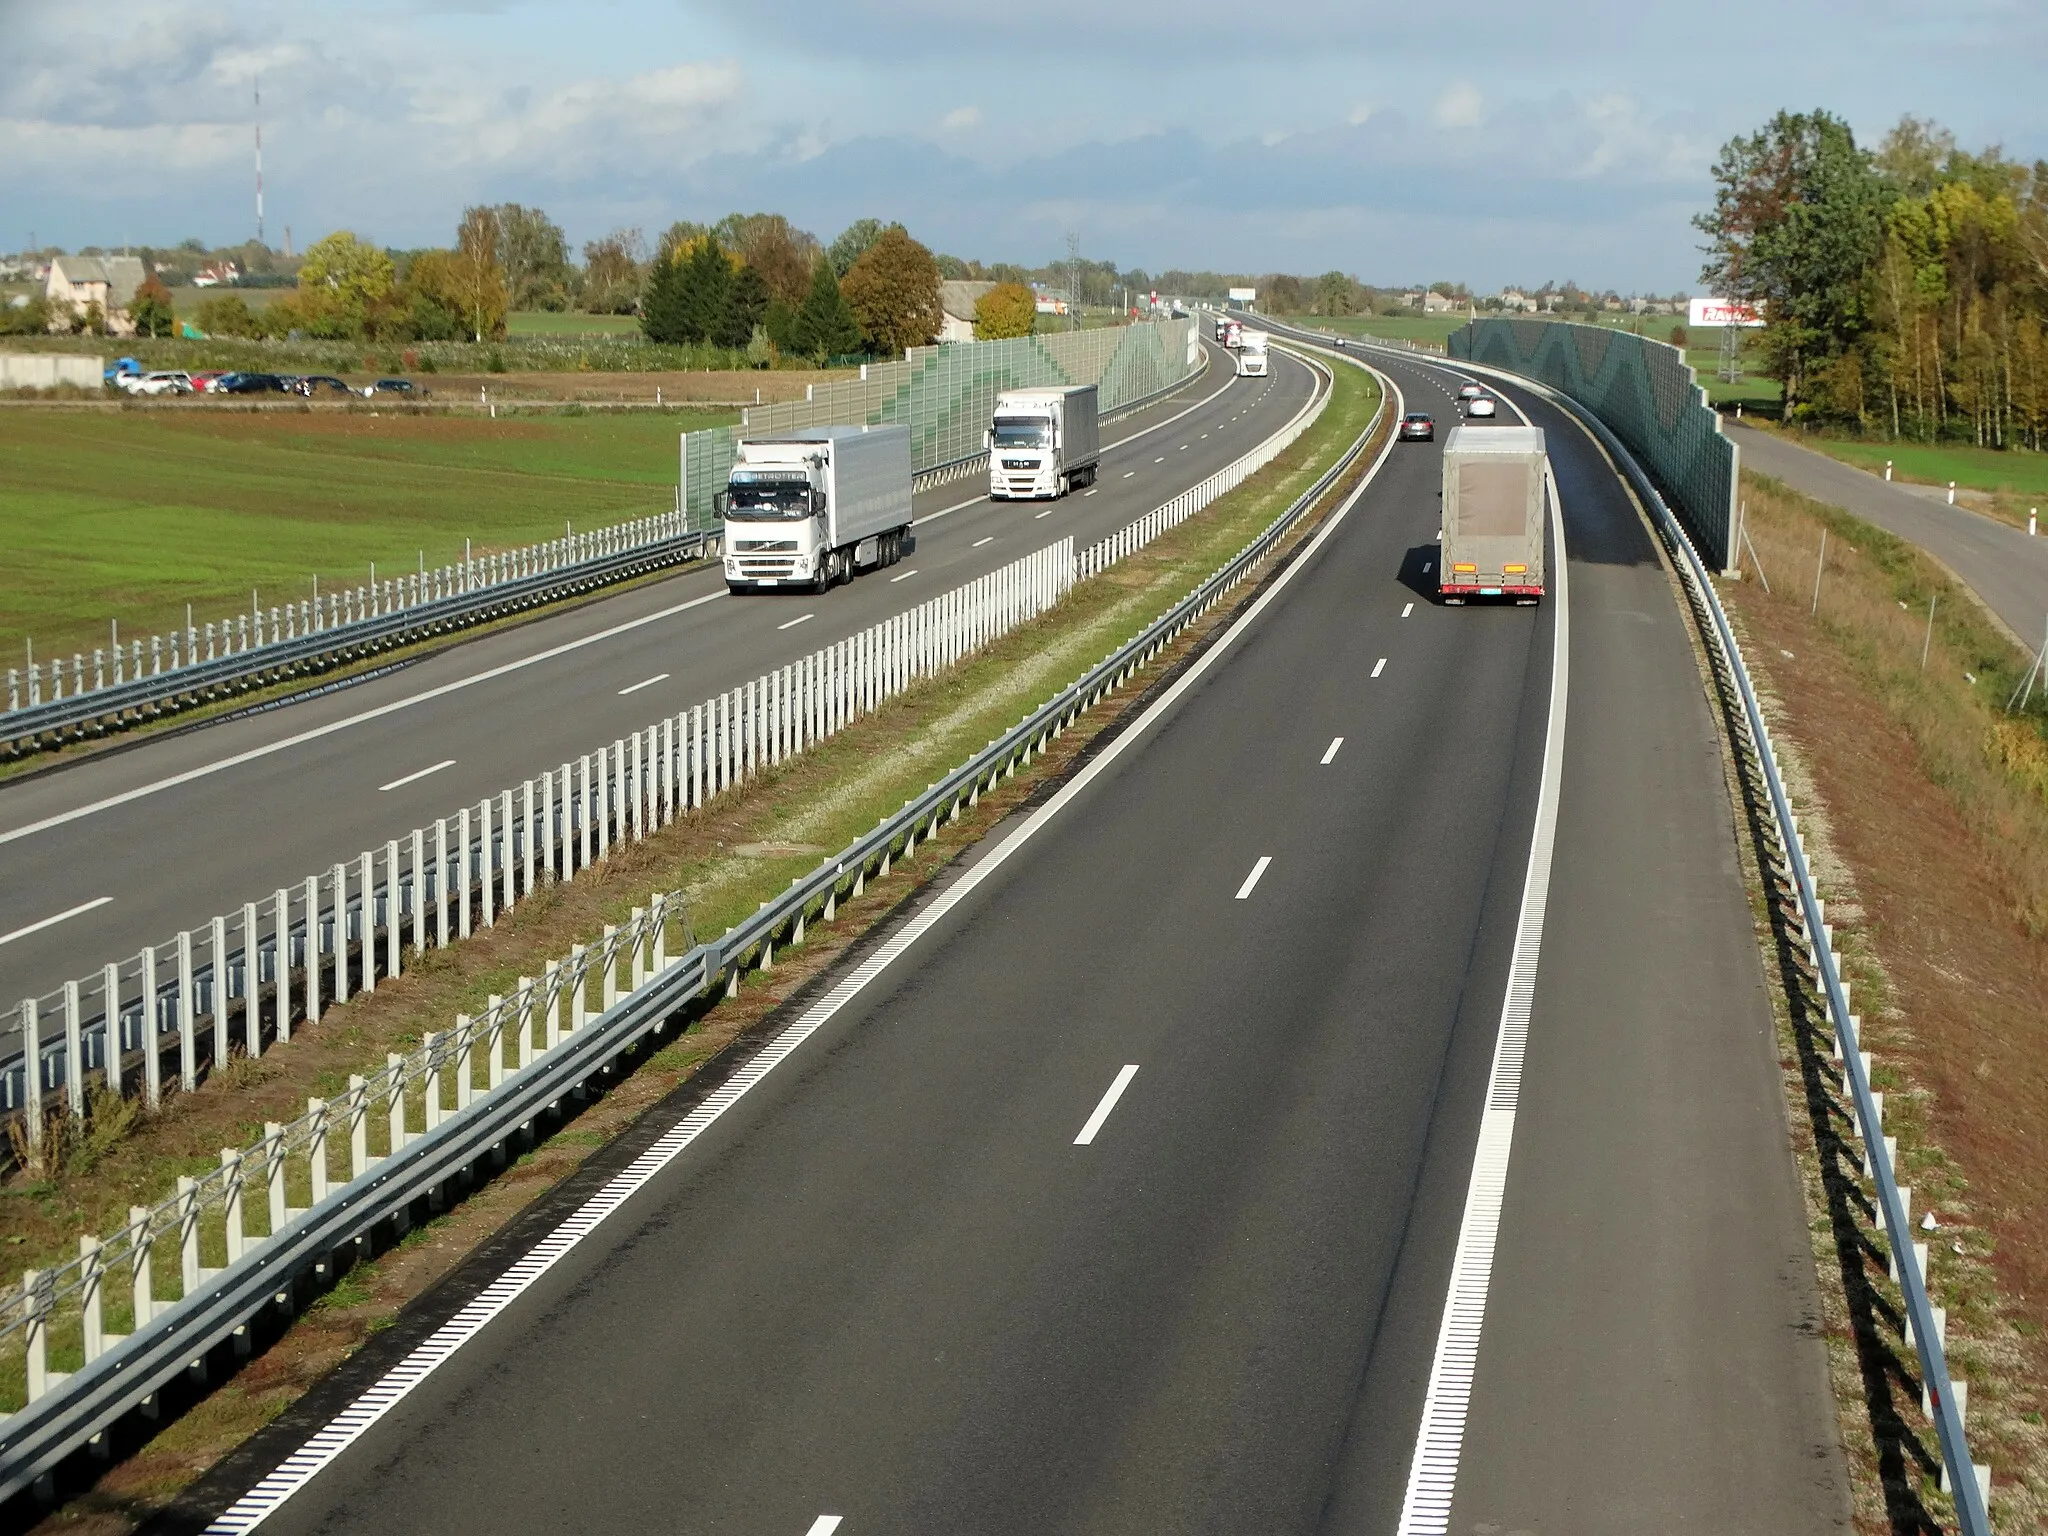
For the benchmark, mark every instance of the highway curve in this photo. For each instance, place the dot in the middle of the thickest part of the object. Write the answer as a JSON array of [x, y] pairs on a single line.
[[957, 1267]]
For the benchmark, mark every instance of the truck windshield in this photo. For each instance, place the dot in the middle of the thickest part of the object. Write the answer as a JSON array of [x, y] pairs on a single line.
[[1023, 432], [768, 500]]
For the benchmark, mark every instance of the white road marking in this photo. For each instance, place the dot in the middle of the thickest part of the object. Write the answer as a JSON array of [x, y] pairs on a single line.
[[1433, 1476], [1091, 489], [802, 618], [1182, 449], [327, 1444], [157, 786], [1379, 666], [1258, 869], [1116, 1091], [1160, 460], [904, 577], [979, 542], [1048, 512], [51, 922], [1407, 610], [824, 1525], [659, 677], [411, 778], [1335, 743], [1128, 473]]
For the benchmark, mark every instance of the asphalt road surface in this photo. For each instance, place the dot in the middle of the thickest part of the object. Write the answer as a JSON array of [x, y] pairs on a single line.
[[2000, 563], [1125, 1198], [229, 813]]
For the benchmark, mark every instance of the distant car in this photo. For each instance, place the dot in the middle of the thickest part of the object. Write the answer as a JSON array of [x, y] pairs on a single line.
[[204, 380], [394, 387], [165, 381], [1481, 405], [320, 383], [1469, 391], [1417, 427], [248, 384]]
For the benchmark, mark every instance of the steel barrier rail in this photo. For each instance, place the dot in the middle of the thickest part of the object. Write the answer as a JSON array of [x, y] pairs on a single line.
[[22, 729], [84, 1404], [1967, 1481]]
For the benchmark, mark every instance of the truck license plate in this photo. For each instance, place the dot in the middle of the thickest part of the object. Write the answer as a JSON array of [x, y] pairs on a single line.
[[768, 581]]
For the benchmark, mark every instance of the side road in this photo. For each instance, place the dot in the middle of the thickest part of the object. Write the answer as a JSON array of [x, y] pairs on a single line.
[[2001, 564]]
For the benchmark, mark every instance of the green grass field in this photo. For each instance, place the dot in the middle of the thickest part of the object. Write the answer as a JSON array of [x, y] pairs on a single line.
[[569, 323], [2015, 472], [128, 516]]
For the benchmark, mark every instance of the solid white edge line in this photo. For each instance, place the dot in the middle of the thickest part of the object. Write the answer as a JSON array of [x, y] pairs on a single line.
[[302, 1466], [1331, 755], [659, 677], [50, 922], [1251, 880], [1439, 1441], [414, 778], [1102, 1110], [206, 770]]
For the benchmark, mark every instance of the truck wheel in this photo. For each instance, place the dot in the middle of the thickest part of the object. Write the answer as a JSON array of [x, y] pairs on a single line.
[[843, 571], [822, 582]]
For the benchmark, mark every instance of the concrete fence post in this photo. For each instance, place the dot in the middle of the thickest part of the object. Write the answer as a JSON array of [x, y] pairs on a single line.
[[152, 1056], [582, 808], [551, 988], [74, 1053], [281, 963], [252, 983], [394, 1102], [431, 1047], [394, 911], [463, 1038], [231, 1200], [608, 992], [487, 881], [35, 1312], [462, 873], [141, 1275], [273, 1174], [579, 988]]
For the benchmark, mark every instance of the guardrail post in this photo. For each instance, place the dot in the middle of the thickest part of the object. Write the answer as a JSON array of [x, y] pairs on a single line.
[[231, 1190], [366, 889], [526, 842], [394, 911], [141, 1266], [431, 1046], [358, 1125], [583, 819], [486, 849], [609, 948], [252, 983], [440, 882], [74, 1053], [495, 1044], [316, 1152], [91, 1305], [464, 1036], [273, 1175], [579, 996], [551, 981], [462, 873], [547, 819], [394, 1102], [152, 1059], [35, 1312], [639, 967], [110, 1028]]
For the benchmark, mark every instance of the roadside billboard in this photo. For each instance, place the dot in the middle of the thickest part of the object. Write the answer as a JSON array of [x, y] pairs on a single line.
[[1709, 312]]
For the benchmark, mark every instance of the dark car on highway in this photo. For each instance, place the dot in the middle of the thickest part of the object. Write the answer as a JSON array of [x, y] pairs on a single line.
[[249, 384], [1417, 427], [320, 383], [396, 387]]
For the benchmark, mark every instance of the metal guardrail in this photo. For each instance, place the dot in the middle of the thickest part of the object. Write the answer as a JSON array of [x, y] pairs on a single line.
[[267, 1273], [1926, 1325], [396, 612]]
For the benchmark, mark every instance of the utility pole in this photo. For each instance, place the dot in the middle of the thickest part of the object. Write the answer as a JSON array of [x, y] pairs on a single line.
[[1073, 280]]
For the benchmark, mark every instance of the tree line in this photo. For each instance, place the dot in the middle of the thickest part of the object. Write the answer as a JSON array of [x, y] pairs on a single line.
[[1904, 289]]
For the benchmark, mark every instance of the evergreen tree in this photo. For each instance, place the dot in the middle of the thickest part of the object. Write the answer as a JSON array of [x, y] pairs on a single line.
[[746, 301], [825, 326], [707, 276], [661, 306]]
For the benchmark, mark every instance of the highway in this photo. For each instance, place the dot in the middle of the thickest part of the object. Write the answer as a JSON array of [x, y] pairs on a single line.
[[148, 839], [1125, 1198]]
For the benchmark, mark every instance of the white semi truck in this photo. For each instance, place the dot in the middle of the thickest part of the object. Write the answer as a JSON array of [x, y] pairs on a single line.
[[1491, 544], [806, 508], [1251, 357], [1042, 442]]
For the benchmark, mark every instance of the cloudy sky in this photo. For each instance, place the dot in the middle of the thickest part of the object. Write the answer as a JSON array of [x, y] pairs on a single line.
[[1480, 141]]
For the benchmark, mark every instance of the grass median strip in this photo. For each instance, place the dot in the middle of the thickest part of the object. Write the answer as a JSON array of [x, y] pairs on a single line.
[[728, 859]]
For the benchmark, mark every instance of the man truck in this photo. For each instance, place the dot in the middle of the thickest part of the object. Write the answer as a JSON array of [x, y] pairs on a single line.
[[1491, 543], [1251, 358], [1042, 442], [806, 508]]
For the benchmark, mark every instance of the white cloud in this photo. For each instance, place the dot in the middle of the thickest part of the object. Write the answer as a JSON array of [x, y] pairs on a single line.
[[960, 119], [1460, 106]]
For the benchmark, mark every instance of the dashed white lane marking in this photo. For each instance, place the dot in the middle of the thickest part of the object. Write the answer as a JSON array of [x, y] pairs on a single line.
[[1335, 743], [1128, 473], [51, 922], [659, 677], [824, 1525], [1160, 460], [1048, 512], [904, 577], [413, 778], [1379, 666], [1439, 1442], [979, 542], [1407, 610], [1116, 1091], [1091, 489], [802, 618], [1252, 879]]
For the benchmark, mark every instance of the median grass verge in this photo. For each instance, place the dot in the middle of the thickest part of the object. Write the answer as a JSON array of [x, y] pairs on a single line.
[[1925, 808], [735, 853]]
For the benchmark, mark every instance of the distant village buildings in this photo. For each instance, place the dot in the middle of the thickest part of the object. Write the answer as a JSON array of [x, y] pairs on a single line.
[[76, 283]]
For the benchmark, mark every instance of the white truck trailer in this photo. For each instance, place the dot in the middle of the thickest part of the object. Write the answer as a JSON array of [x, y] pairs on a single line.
[[1042, 442], [1491, 544], [1252, 355], [806, 508]]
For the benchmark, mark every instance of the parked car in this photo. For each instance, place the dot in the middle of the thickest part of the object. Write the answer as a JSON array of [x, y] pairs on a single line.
[[320, 383], [1418, 427], [165, 381], [1480, 405], [248, 384], [395, 387], [124, 370], [204, 380]]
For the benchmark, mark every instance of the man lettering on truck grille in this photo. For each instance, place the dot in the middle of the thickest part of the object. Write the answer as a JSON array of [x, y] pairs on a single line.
[[1492, 539]]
